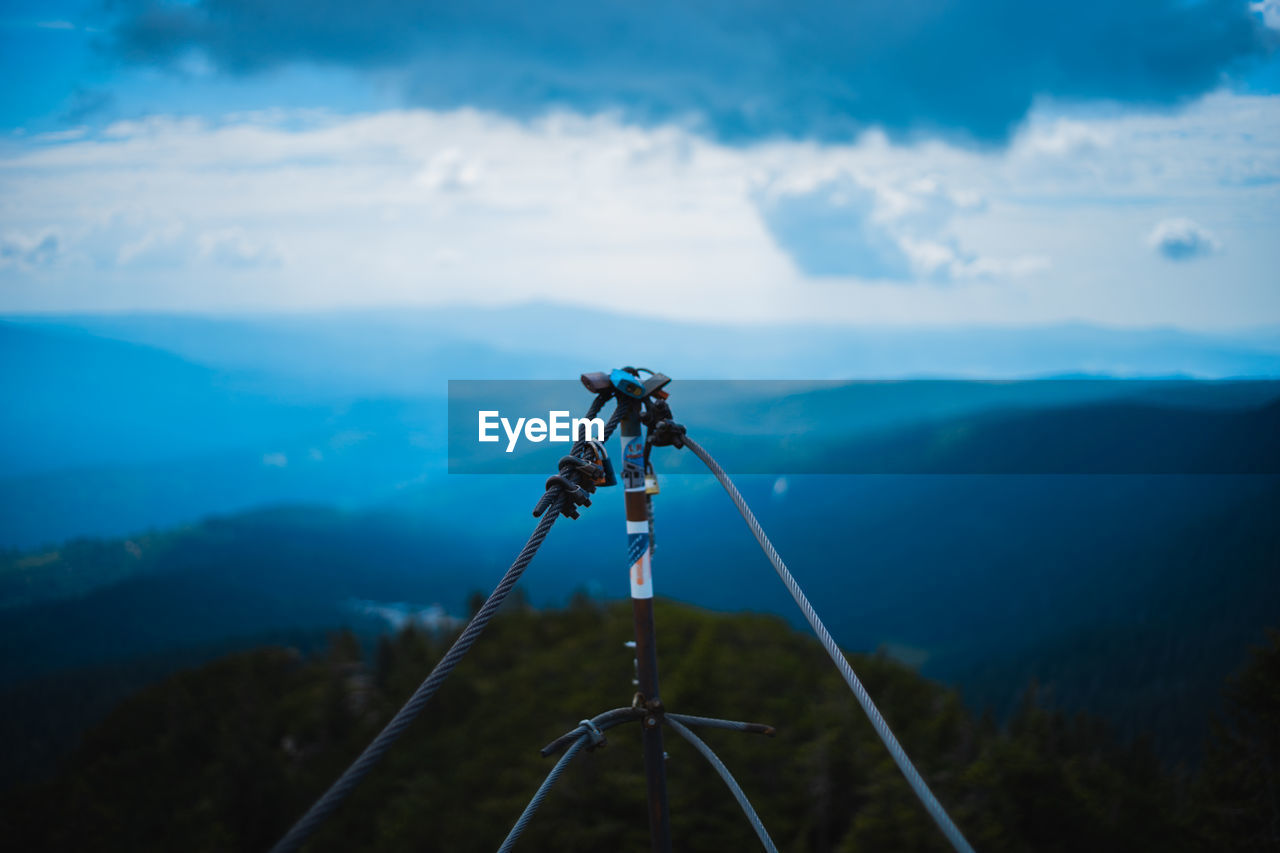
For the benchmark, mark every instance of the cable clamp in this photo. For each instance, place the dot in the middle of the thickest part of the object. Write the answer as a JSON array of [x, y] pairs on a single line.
[[655, 410], [593, 732], [575, 496], [589, 473], [667, 433]]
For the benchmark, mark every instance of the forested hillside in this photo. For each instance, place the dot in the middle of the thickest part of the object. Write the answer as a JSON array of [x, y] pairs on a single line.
[[224, 757]]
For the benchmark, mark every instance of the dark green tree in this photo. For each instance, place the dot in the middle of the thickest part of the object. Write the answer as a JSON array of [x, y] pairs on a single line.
[[1241, 776]]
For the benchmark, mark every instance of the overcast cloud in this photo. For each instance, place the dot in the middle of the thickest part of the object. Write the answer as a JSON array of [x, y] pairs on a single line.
[[940, 162], [416, 207], [809, 69]]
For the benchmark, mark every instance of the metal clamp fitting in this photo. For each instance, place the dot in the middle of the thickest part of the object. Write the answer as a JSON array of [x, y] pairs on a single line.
[[593, 732]]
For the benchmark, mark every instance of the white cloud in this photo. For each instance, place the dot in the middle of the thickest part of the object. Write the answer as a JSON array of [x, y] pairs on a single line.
[[235, 247], [27, 251], [1182, 240], [834, 228], [1269, 11], [61, 135], [891, 230], [450, 171], [306, 210], [1064, 138], [158, 245], [173, 245]]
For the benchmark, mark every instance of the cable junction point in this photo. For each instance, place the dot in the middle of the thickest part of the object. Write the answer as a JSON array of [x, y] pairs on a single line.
[[641, 408]]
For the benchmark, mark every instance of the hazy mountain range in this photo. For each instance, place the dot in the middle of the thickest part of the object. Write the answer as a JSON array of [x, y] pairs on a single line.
[[118, 423], [1131, 586]]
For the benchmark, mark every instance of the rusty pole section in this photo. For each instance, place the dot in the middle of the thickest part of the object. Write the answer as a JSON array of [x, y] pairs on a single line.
[[639, 553]]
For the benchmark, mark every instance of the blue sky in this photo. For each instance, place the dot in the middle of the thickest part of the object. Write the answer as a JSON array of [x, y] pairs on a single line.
[[935, 162]]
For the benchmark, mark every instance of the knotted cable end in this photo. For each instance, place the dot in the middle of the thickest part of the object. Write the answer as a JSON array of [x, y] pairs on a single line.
[[667, 433], [594, 734], [576, 491]]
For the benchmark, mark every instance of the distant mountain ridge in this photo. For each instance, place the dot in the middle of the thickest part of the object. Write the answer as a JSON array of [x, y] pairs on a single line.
[[980, 580], [107, 433], [410, 352]]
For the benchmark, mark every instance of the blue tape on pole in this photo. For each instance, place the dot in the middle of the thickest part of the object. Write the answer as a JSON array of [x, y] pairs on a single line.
[[637, 545]]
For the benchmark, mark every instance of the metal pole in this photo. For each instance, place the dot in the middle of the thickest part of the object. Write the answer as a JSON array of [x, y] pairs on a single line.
[[640, 557]]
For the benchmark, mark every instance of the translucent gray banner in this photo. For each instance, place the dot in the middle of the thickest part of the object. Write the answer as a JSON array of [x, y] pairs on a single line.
[[1062, 426]]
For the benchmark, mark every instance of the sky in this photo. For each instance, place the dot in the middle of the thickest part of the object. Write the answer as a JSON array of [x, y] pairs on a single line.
[[937, 162]]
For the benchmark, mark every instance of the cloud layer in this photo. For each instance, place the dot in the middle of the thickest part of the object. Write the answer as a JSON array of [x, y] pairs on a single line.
[[303, 211], [811, 69]]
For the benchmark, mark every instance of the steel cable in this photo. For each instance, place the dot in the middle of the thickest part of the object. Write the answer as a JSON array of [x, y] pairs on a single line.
[[525, 816], [359, 768], [914, 779], [714, 761], [587, 730]]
